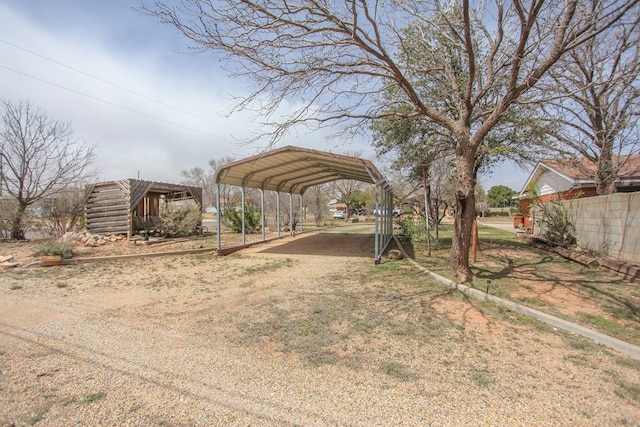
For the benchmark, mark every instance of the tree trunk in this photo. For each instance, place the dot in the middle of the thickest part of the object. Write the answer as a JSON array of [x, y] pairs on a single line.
[[427, 206], [465, 212], [606, 178], [17, 233]]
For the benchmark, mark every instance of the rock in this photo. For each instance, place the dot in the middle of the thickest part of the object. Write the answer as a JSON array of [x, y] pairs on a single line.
[[395, 254]]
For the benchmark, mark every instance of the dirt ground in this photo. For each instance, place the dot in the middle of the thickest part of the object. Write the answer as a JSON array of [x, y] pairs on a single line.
[[301, 331], [555, 288]]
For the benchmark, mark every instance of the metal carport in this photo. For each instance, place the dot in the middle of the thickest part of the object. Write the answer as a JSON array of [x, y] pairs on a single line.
[[292, 170]]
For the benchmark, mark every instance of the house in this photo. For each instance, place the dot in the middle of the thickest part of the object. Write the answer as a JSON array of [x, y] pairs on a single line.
[[129, 205], [565, 179]]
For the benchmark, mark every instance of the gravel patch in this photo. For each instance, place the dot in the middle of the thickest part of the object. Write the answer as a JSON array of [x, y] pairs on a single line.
[[271, 337]]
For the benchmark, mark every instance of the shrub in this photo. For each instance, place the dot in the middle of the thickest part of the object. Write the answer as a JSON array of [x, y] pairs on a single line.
[[52, 248], [556, 223], [414, 229], [180, 220], [234, 218]]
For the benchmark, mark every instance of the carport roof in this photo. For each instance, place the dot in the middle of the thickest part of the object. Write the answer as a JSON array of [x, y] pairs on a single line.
[[293, 170]]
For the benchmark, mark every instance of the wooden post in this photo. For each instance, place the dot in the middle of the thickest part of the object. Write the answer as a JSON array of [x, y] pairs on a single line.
[[474, 241]]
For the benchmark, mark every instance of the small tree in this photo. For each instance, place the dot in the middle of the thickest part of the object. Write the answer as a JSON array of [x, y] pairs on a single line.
[[40, 158], [7, 208], [318, 200], [555, 222], [233, 213], [500, 196]]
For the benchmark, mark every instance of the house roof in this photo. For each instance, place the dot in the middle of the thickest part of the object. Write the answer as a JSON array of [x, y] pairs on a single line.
[[293, 170], [581, 171]]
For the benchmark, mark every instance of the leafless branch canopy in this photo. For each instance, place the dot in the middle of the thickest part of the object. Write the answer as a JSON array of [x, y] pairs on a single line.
[[596, 98], [40, 156], [324, 61]]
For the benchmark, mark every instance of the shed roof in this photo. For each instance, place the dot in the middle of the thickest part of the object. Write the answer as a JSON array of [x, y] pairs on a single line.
[[293, 170]]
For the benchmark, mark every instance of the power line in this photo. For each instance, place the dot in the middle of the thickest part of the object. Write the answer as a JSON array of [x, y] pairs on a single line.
[[141, 95], [114, 104]]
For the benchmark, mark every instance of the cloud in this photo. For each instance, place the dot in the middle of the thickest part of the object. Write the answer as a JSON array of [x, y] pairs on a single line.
[[176, 124], [175, 120]]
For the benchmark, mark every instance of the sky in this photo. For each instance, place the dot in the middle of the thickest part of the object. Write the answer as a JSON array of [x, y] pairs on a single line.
[[130, 87]]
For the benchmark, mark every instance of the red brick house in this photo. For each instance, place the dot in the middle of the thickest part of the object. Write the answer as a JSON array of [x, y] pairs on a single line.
[[564, 180]]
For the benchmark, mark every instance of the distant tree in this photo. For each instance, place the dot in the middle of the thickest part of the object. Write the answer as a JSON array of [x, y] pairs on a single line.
[[500, 196], [200, 177], [347, 191], [40, 158], [317, 199], [596, 101]]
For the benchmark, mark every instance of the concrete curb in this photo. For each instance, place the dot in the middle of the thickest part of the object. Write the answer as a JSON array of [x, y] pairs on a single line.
[[614, 343]]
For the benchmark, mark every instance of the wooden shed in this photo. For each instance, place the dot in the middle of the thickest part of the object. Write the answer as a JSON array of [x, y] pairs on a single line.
[[124, 206]]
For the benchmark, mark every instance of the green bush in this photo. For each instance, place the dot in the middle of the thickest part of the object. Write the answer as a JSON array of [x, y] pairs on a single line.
[[414, 229], [179, 220], [233, 214], [556, 223]]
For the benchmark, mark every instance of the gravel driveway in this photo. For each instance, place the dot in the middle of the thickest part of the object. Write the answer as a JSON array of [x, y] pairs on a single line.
[[276, 336]]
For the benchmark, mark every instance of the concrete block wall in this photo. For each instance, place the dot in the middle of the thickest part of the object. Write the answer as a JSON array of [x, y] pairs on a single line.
[[608, 225]]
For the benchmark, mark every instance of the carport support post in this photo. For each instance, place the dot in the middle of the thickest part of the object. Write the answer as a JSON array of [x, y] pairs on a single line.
[[278, 211], [218, 215], [301, 213], [292, 230], [383, 218], [262, 212], [243, 237], [377, 225]]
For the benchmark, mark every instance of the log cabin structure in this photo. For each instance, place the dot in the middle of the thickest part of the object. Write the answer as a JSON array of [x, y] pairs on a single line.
[[129, 205]]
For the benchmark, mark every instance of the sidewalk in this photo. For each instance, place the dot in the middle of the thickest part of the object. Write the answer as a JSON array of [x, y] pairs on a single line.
[[502, 225]]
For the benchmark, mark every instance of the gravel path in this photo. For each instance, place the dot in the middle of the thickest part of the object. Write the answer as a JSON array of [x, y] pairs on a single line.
[[273, 337]]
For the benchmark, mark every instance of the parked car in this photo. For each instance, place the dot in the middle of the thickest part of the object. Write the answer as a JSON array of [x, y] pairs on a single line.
[[395, 212], [338, 215], [358, 211]]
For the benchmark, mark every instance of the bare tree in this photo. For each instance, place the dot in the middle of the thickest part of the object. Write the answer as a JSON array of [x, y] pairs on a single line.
[[63, 212], [317, 198], [334, 58], [203, 178], [345, 190], [597, 101], [40, 158]]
